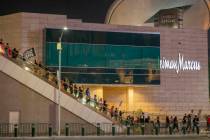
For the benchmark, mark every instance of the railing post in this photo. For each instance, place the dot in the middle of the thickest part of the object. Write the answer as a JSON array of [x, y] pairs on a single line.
[[67, 129], [33, 130], [128, 130], [184, 129], [50, 130], [170, 129], [156, 129], [142, 128], [98, 129], [197, 129], [113, 129], [15, 130], [83, 131]]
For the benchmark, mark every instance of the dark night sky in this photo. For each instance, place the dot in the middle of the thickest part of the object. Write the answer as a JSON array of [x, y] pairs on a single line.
[[87, 10]]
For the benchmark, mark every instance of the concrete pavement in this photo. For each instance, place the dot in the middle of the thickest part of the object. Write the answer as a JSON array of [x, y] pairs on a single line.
[[189, 137]]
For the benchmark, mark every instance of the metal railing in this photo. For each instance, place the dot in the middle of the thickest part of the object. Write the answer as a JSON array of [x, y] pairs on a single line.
[[80, 129]]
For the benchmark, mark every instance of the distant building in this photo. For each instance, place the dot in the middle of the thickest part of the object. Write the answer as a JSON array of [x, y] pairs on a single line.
[[194, 13]]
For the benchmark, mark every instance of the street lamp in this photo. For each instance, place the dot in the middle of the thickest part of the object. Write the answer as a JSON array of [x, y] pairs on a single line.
[[59, 48]]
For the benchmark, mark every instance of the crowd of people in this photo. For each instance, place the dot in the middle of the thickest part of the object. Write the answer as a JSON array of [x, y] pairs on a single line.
[[189, 123], [7, 51], [84, 95]]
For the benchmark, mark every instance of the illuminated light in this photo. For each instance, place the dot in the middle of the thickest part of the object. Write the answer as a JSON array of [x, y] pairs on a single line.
[[92, 104], [2, 50], [26, 68], [180, 64], [83, 100], [130, 98], [65, 28]]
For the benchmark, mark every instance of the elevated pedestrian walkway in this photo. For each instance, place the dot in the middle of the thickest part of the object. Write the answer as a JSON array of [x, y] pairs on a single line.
[[34, 78]]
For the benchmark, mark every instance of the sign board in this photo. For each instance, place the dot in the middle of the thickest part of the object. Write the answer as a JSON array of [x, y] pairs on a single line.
[[179, 64], [29, 54]]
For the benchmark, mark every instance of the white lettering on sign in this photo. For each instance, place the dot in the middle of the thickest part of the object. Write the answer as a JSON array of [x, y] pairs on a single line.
[[180, 64]]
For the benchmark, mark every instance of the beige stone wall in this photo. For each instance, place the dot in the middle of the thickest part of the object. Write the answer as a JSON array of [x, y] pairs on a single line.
[[10, 29], [32, 29], [33, 107], [25, 30]]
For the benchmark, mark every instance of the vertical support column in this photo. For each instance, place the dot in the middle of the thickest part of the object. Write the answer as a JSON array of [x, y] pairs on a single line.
[[130, 98], [67, 129], [128, 130], [33, 130], [98, 129], [15, 130], [50, 130], [113, 130]]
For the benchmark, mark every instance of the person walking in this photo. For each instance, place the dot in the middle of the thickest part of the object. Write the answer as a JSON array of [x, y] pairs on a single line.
[[184, 124], [80, 93], [116, 114], [176, 125], [171, 123], [189, 124], [6, 50], [142, 122], [87, 93], [157, 126], [196, 124]]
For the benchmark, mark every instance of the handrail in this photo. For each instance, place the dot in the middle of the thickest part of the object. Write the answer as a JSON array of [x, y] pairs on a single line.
[[81, 129]]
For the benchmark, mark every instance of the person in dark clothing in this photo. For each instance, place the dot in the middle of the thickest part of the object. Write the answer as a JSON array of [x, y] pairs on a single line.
[[171, 123], [196, 124], [189, 124], [1, 41], [112, 111], [184, 124], [75, 90], [176, 124], [157, 126], [95, 101], [116, 113], [6, 49], [40, 64], [71, 88], [142, 118], [65, 85], [87, 93], [105, 106], [167, 121], [35, 62], [80, 93], [208, 122], [15, 53], [120, 115], [142, 122], [128, 120]]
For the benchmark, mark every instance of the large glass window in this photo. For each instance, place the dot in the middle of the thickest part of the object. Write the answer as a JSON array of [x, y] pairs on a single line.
[[105, 57]]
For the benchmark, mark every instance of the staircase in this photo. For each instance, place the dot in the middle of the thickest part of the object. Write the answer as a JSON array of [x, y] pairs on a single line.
[[32, 76]]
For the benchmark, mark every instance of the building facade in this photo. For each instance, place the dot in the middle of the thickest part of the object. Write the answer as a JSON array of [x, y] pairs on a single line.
[[183, 63], [142, 10]]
